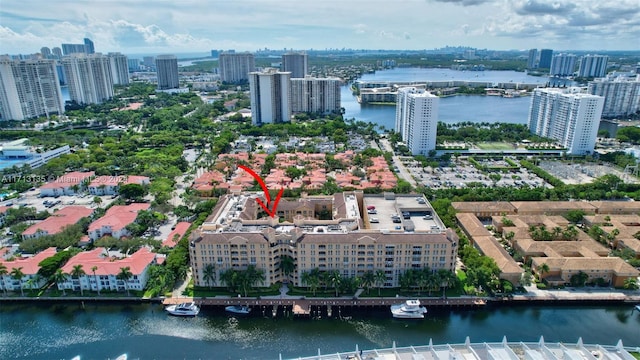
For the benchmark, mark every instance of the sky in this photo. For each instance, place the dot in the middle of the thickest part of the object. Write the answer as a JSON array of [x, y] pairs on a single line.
[[197, 26]]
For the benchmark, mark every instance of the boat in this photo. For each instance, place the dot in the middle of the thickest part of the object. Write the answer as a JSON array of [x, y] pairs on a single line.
[[237, 309], [410, 309], [638, 307], [122, 357], [184, 309]]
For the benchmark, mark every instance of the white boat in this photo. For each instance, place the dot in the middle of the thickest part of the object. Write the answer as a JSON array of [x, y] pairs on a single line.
[[237, 309], [638, 307], [410, 309], [184, 309]]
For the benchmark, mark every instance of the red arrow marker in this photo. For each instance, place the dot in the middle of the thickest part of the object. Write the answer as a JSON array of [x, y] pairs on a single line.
[[271, 213]]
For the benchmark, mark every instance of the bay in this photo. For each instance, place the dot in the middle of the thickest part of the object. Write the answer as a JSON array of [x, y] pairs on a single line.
[[100, 330]]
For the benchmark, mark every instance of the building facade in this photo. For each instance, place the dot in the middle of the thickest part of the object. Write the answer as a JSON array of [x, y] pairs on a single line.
[[314, 95], [119, 68], [593, 66], [295, 63], [417, 119], [89, 78], [235, 67], [69, 49], [88, 46], [270, 97], [532, 60], [568, 116], [28, 89], [545, 58], [167, 70], [621, 95], [563, 65], [29, 267]]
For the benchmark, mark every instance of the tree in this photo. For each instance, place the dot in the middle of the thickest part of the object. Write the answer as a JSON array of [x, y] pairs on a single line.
[[33, 282], [335, 279], [17, 274], [368, 279], [542, 269], [287, 265], [631, 283], [3, 272], [95, 278], [59, 277], [311, 279], [251, 277], [124, 275], [132, 191], [77, 272], [575, 216], [579, 279], [230, 279], [97, 200], [446, 278], [209, 274], [380, 278]]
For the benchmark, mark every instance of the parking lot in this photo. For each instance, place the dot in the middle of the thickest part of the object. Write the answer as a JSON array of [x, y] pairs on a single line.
[[32, 198]]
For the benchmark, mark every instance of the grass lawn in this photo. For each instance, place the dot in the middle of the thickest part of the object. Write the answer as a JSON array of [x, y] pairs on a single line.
[[373, 293], [635, 355], [197, 292], [494, 146]]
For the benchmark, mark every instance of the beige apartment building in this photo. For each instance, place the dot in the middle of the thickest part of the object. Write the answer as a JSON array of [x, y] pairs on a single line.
[[348, 232]]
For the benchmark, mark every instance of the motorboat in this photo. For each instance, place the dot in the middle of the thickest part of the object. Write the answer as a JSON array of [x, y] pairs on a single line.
[[183, 309], [638, 307], [410, 309], [237, 309]]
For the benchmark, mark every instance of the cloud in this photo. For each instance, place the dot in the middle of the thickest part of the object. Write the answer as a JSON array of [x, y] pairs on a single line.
[[464, 2], [540, 7]]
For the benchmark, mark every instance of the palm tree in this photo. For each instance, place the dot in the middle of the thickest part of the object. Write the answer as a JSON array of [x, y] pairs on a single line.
[[311, 279], [229, 278], [368, 279], [3, 272], [209, 274], [542, 269], [76, 272], [17, 274], [59, 277], [447, 278], [124, 275], [379, 279], [93, 269], [630, 283], [287, 265], [335, 279], [33, 282], [252, 276]]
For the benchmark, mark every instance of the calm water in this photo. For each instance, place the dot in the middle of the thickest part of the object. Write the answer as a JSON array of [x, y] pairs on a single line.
[[143, 331]]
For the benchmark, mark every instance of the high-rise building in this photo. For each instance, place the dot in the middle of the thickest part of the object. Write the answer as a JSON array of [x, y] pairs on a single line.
[[57, 53], [167, 70], [28, 89], [568, 116], [532, 62], [563, 65], [314, 95], [133, 64], [68, 49], [46, 52], [119, 68], [235, 67], [270, 97], [89, 78], [621, 95], [149, 61], [545, 58], [296, 64], [593, 66], [215, 53], [417, 119], [88, 46]]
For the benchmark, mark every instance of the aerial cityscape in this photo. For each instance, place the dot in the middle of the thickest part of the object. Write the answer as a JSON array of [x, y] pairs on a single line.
[[320, 180]]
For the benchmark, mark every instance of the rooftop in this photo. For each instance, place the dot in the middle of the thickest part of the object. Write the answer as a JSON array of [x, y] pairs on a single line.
[[29, 265], [59, 220], [107, 265], [119, 216]]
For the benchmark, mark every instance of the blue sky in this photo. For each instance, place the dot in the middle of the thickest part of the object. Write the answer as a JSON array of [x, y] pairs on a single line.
[[179, 26]]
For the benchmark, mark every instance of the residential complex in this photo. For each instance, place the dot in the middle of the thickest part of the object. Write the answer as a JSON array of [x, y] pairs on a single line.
[[417, 119], [57, 222], [115, 220], [167, 69], [593, 66], [545, 58], [88, 46], [235, 67], [270, 97], [27, 265], [563, 65], [119, 68], [89, 78], [315, 95], [69, 49], [532, 60], [110, 185], [348, 232], [568, 116], [296, 64], [621, 94], [28, 89], [67, 184]]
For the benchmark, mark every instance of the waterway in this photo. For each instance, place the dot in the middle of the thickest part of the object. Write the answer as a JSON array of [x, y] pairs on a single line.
[[99, 331]]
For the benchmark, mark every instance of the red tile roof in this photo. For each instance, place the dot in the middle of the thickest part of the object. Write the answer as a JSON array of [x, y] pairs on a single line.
[[119, 216], [68, 180], [137, 262], [29, 265], [3, 209], [59, 220], [180, 230]]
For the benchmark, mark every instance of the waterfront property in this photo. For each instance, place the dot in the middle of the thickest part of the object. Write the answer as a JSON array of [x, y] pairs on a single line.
[[56, 223], [331, 233], [102, 270], [22, 272], [115, 220]]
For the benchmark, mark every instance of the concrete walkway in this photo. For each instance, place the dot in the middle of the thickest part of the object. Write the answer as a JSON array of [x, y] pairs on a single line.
[[178, 290]]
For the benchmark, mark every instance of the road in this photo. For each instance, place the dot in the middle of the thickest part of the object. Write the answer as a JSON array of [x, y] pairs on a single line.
[[402, 172]]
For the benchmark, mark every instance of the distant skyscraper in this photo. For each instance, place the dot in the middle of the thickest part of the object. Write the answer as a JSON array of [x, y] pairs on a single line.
[[88, 46], [119, 68], [563, 65], [296, 64], [593, 66], [215, 53], [57, 53], [545, 58], [28, 89], [134, 64], [149, 61], [270, 97], [417, 119], [46, 52], [568, 116], [532, 62], [235, 67], [89, 78], [68, 49], [313, 95], [167, 69], [621, 95]]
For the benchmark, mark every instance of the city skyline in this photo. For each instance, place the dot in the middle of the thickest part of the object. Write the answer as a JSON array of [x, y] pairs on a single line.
[[249, 25]]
